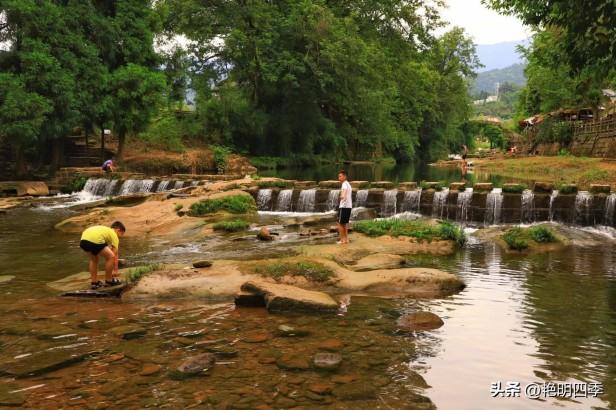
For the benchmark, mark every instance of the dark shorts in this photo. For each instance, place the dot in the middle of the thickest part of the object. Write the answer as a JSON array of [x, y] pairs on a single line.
[[464, 156], [93, 248], [344, 215]]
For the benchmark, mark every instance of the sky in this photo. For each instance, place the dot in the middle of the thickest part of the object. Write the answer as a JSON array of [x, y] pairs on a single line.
[[484, 25]]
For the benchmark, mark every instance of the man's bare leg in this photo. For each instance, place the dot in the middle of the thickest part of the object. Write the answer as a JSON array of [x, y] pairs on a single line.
[[109, 262], [345, 230], [340, 232], [93, 267]]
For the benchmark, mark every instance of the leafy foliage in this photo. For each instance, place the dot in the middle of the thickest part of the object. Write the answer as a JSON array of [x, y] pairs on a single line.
[[514, 188], [542, 234], [220, 157], [514, 238], [235, 204], [274, 184]]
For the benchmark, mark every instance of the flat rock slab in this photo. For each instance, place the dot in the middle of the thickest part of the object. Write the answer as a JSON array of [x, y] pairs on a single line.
[[110, 292], [22, 188], [80, 283], [128, 332], [43, 362], [6, 278], [291, 298], [327, 361], [378, 261], [8, 398]]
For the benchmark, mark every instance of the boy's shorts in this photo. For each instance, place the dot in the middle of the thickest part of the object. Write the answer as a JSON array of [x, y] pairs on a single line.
[[344, 215], [93, 248]]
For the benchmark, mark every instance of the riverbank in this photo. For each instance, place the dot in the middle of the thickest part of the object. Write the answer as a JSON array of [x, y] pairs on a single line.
[[558, 170]]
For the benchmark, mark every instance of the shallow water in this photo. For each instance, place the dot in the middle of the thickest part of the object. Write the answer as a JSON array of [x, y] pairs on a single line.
[[543, 318]]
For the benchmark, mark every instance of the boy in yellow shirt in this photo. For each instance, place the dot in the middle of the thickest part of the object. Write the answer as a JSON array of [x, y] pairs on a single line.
[[103, 240]]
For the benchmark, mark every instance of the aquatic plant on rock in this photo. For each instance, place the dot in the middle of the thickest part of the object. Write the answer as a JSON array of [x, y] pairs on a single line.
[[234, 225], [235, 204], [514, 188], [514, 238], [421, 230]]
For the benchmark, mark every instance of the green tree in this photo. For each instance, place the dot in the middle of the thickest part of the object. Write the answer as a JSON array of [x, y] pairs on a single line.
[[136, 93]]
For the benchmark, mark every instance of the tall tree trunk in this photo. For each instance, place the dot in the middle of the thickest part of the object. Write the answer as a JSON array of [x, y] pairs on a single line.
[[57, 155], [20, 162], [121, 142], [103, 144]]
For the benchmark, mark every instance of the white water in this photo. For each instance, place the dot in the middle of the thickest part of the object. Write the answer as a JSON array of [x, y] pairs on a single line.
[[528, 206], [464, 202], [439, 203], [390, 202], [583, 201], [494, 204], [306, 202], [552, 198], [283, 204], [610, 207], [163, 186], [333, 199], [362, 198], [264, 200], [410, 202]]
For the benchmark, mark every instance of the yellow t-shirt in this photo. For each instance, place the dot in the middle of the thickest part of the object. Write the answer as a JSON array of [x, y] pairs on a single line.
[[101, 234]]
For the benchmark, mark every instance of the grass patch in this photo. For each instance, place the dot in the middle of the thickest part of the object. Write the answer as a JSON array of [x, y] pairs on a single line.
[[235, 204], [420, 230], [519, 238], [178, 207], [312, 271], [274, 184], [235, 225], [134, 274]]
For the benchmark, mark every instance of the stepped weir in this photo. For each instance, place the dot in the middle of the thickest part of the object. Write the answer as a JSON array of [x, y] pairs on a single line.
[[481, 204]]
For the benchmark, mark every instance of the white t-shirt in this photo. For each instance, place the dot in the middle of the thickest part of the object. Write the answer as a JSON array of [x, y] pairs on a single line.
[[348, 201]]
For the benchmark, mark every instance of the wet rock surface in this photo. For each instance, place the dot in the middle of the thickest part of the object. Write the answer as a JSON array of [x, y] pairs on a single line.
[[420, 321], [194, 366], [291, 298]]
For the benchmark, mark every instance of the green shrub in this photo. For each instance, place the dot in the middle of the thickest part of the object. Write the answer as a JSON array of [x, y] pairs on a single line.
[[178, 207], [514, 188], [514, 238], [274, 184], [312, 271], [427, 185], [452, 232], [221, 153], [542, 234], [235, 225], [567, 189], [76, 184], [235, 204], [416, 229], [564, 152], [134, 274]]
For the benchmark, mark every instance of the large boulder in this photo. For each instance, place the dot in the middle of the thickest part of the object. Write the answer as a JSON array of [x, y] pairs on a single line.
[[264, 234], [420, 321], [24, 188], [280, 297]]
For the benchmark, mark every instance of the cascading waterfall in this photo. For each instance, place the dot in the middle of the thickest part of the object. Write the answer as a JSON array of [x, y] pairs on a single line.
[[333, 199], [194, 183], [552, 198], [283, 204], [439, 203], [362, 198], [306, 201], [133, 186], [264, 200], [494, 205], [178, 185], [528, 206], [583, 200], [390, 202], [410, 202], [464, 202], [610, 207], [163, 186], [100, 186]]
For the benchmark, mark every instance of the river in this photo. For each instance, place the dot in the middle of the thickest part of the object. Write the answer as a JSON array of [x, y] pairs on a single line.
[[548, 318]]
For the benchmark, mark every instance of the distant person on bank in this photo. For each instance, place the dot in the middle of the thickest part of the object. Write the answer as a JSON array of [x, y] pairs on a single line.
[[105, 241], [344, 211], [108, 166]]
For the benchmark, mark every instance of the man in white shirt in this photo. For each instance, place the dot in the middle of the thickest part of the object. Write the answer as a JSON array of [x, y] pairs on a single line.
[[346, 203]]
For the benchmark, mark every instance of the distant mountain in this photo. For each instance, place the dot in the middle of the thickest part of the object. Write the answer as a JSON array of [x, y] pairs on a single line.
[[486, 81], [499, 55]]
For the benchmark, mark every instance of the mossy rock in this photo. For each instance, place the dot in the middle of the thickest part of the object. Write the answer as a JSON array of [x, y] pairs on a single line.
[[543, 187]]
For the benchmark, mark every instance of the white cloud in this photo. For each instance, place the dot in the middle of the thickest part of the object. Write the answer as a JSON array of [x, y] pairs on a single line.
[[484, 25]]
